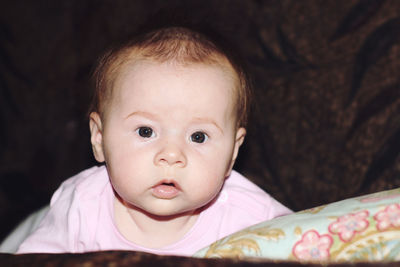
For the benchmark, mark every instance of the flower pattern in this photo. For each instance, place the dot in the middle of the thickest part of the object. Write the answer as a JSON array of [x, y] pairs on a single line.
[[372, 199], [313, 246], [351, 230], [389, 217], [348, 225]]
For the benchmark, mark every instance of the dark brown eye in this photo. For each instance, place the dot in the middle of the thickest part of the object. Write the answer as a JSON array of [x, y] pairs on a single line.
[[145, 132], [198, 137]]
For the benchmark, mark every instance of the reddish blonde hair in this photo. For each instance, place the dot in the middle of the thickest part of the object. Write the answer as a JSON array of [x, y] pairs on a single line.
[[171, 44]]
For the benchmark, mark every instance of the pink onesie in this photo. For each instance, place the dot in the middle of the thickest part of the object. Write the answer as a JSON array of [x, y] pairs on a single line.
[[80, 218]]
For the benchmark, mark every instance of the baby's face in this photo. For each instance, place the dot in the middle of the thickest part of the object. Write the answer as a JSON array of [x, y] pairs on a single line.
[[169, 137]]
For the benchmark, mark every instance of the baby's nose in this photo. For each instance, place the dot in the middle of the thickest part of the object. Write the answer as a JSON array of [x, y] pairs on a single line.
[[171, 154]]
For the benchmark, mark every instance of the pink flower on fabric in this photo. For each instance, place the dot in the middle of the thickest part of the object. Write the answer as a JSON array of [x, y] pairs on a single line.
[[348, 225], [313, 246], [388, 217]]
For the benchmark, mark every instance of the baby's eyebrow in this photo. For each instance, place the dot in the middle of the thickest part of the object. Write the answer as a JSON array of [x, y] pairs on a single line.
[[207, 121], [195, 119], [141, 113]]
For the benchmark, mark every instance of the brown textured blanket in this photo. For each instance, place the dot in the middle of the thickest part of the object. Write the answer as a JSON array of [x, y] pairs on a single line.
[[125, 258]]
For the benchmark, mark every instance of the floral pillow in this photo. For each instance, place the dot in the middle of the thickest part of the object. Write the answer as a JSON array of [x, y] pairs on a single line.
[[364, 228]]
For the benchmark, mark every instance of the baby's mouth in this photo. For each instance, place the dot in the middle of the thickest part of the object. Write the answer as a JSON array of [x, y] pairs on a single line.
[[166, 190]]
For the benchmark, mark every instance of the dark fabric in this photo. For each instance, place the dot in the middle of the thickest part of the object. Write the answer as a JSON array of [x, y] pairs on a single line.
[[326, 115], [126, 258]]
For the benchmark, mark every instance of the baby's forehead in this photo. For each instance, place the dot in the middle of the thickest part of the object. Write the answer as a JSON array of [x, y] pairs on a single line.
[[135, 66], [139, 65], [145, 75], [147, 72], [153, 75]]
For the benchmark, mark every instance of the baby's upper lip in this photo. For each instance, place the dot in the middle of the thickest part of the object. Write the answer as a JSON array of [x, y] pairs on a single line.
[[170, 182]]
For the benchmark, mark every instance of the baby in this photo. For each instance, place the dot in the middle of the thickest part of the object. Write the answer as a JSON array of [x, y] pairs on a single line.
[[168, 119]]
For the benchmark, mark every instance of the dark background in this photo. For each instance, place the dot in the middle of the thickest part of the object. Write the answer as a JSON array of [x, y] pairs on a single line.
[[326, 121]]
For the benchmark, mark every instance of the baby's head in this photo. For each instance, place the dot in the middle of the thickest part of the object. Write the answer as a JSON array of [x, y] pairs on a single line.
[[176, 45], [168, 119]]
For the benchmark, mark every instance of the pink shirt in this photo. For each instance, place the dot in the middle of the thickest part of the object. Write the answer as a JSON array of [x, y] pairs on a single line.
[[81, 213]]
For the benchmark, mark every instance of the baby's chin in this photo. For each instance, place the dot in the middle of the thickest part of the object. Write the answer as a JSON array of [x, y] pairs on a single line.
[[170, 211], [166, 212], [164, 215], [164, 209]]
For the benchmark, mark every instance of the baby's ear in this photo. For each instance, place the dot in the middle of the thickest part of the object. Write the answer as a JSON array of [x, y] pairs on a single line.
[[240, 134], [96, 136], [239, 138]]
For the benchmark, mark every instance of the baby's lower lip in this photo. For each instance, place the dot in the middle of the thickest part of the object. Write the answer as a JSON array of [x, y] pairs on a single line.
[[165, 191]]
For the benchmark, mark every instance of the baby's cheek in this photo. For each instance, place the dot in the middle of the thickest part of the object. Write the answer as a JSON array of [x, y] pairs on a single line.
[[213, 185]]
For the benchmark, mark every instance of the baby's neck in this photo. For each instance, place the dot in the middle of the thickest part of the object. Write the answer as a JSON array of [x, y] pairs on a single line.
[[151, 231]]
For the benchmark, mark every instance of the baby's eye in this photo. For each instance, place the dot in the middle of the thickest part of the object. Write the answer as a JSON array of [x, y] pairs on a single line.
[[198, 137], [145, 132]]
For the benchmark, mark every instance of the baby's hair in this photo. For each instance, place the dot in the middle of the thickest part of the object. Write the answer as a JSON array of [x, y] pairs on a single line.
[[181, 45]]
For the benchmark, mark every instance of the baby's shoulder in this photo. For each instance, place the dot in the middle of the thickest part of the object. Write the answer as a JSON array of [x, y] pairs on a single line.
[[83, 185], [241, 195], [241, 191]]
